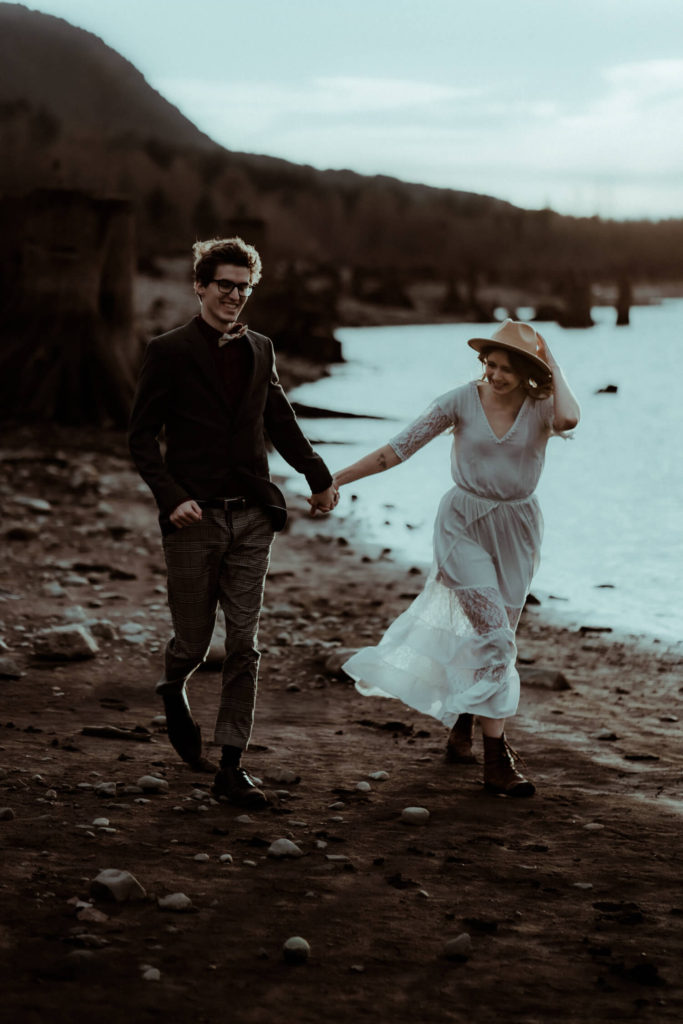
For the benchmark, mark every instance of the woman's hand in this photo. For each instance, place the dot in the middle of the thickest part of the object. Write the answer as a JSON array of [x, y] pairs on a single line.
[[543, 350]]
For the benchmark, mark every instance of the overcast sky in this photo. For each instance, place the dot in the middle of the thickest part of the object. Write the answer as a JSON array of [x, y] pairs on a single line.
[[573, 104]]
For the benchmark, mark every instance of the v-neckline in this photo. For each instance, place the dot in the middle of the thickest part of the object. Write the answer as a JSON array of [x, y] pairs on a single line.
[[512, 426]]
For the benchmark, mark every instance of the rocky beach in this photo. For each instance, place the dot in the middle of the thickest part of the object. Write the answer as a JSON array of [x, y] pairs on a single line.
[[129, 893]]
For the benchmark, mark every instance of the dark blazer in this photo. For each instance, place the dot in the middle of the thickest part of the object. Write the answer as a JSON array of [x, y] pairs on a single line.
[[207, 441]]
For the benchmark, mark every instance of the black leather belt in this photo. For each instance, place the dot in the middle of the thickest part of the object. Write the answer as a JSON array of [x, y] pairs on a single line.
[[225, 504]]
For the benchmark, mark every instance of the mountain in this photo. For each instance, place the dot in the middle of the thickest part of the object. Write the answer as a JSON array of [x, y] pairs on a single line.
[[73, 77], [74, 114]]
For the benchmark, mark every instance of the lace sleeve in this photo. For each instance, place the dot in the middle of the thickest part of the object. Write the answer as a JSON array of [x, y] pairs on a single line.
[[429, 425]]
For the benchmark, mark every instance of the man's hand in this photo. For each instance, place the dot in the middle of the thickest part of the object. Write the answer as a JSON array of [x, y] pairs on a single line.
[[324, 501], [185, 514]]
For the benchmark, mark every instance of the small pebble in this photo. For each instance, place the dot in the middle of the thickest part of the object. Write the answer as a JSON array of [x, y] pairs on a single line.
[[201, 858], [284, 848], [583, 885], [175, 901], [379, 776], [114, 884], [363, 787], [225, 858], [103, 788], [152, 784], [593, 826], [243, 819], [415, 815], [296, 950], [151, 974], [101, 822]]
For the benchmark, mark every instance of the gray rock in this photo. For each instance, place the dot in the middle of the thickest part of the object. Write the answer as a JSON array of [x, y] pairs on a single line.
[[102, 628], [131, 628], [379, 776], [53, 589], [363, 787], [150, 973], [415, 815], [91, 915], [9, 669], [296, 950], [458, 948], [152, 784], [543, 678], [201, 858], [335, 660], [225, 858], [113, 884], [284, 848], [34, 504], [176, 902], [75, 613], [65, 643], [102, 788]]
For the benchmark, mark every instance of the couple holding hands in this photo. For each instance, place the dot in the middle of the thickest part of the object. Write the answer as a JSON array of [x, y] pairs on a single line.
[[211, 387]]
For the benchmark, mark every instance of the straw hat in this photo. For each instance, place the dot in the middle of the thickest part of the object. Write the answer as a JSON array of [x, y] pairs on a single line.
[[513, 335]]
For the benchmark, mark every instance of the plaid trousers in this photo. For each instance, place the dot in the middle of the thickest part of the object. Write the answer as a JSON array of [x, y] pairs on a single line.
[[222, 560]]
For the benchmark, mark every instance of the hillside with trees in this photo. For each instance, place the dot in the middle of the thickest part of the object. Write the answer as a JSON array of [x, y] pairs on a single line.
[[74, 114]]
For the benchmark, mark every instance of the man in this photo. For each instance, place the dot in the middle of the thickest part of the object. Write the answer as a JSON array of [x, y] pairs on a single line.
[[212, 386]]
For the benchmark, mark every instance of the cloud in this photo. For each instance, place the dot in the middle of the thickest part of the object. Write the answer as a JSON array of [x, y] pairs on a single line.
[[619, 148]]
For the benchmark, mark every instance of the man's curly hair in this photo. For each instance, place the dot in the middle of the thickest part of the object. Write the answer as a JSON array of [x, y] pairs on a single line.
[[208, 254]]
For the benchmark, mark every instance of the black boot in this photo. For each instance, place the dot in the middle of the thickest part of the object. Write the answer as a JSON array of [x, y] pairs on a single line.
[[184, 735], [500, 773], [459, 746]]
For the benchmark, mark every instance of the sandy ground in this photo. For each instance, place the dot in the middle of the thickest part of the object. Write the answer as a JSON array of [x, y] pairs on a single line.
[[571, 900]]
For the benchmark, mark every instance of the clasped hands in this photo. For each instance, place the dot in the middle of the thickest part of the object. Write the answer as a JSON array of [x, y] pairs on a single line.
[[324, 501]]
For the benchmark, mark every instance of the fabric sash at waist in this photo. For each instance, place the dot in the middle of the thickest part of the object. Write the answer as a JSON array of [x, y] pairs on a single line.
[[474, 506]]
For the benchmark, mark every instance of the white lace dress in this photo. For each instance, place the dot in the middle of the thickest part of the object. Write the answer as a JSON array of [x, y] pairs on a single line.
[[453, 650]]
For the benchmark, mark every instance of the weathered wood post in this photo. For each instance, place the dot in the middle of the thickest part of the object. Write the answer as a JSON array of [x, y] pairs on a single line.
[[68, 351], [624, 301]]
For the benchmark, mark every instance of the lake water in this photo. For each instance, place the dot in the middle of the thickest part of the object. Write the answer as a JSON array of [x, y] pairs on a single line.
[[612, 497]]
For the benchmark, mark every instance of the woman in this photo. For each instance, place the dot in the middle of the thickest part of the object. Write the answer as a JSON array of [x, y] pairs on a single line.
[[452, 653]]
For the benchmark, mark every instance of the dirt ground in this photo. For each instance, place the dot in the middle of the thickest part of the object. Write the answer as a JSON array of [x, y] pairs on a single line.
[[571, 900]]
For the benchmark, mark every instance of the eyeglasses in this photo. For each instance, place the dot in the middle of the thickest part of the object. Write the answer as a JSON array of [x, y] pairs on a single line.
[[225, 287]]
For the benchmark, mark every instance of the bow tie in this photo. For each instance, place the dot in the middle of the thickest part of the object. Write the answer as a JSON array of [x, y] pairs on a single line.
[[237, 332]]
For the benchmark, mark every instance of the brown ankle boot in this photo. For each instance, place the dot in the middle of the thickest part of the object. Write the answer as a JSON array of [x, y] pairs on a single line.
[[459, 746], [500, 773]]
